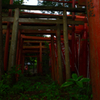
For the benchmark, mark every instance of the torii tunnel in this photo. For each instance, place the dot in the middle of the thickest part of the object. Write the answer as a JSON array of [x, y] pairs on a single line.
[[73, 45]]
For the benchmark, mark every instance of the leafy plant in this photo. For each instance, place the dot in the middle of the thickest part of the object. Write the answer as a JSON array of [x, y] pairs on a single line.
[[78, 88], [23, 96], [15, 70], [4, 88], [18, 2], [76, 80], [20, 86], [6, 83], [44, 88]]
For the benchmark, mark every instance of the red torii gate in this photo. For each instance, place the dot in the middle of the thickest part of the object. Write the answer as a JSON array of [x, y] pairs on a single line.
[[27, 37], [73, 36], [94, 44], [93, 12]]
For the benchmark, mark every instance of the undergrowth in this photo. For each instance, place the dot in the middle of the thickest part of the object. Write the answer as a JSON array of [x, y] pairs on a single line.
[[44, 88]]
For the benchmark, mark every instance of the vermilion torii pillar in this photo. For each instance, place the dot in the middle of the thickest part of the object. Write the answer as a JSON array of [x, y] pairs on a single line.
[[93, 12], [18, 47], [7, 40]]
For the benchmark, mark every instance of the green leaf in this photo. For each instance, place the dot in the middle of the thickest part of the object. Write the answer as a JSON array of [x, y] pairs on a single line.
[[91, 95], [85, 80], [79, 83], [71, 80], [74, 76], [79, 78], [66, 84]]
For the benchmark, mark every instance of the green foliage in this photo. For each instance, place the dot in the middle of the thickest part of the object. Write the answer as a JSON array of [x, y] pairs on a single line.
[[43, 88], [4, 88], [52, 92], [17, 2], [78, 88], [76, 80], [15, 70], [54, 4], [23, 96], [7, 81], [5, 1], [49, 91], [20, 86], [9, 78]]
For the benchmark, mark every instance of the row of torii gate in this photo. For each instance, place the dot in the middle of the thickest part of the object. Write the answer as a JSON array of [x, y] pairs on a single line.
[[71, 29]]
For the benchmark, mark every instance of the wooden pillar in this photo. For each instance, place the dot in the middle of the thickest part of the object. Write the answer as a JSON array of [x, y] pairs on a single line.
[[65, 33], [12, 55], [40, 58], [59, 67], [93, 12], [53, 57]]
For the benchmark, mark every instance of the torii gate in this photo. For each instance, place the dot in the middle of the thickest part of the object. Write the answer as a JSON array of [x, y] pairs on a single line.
[[93, 18]]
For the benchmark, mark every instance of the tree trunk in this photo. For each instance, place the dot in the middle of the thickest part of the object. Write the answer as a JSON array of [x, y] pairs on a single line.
[[1, 42]]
